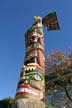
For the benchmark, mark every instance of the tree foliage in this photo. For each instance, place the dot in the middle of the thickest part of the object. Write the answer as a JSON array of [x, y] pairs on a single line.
[[59, 72], [49, 106], [6, 103]]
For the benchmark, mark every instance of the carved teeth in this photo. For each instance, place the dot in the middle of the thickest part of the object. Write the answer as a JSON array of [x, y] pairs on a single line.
[[27, 90], [30, 68]]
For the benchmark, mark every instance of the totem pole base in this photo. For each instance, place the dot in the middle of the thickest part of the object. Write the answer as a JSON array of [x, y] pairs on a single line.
[[28, 103]]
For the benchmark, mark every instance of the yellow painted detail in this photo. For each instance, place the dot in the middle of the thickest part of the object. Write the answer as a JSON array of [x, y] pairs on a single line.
[[26, 96]]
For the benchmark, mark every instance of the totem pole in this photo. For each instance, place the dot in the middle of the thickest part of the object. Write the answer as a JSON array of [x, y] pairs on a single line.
[[31, 86]]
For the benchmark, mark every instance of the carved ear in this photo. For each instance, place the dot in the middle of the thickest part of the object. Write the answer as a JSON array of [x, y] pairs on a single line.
[[51, 21]]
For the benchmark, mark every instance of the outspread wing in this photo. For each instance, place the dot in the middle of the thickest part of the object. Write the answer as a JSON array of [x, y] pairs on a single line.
[[51, 21]]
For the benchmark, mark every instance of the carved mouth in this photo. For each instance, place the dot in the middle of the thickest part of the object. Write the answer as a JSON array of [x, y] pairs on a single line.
[[28, 91]]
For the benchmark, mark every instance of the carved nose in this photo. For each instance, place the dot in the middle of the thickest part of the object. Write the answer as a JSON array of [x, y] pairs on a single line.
[[26, 82]]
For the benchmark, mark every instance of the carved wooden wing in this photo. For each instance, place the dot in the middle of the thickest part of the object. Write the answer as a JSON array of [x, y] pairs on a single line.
[[51, 21]]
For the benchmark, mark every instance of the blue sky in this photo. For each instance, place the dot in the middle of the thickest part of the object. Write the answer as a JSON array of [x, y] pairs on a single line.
[[16, 16]]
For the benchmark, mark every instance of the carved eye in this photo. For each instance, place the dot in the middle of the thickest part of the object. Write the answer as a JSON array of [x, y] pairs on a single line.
[[36, 77], [33, 38]]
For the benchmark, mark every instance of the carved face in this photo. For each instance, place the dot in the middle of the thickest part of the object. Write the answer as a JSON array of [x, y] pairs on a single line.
[[31, 85], [33, 79]]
